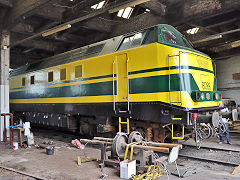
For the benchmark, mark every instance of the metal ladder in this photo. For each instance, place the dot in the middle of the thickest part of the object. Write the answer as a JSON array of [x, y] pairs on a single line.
[[169, 78], [120, 122]]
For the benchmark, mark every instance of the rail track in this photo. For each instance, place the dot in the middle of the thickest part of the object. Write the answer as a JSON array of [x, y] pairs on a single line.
[[212, 148], [212, 155], [22, 173]]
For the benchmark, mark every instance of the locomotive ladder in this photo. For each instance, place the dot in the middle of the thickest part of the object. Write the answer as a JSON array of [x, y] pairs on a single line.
[[120, 122], [170, 78], [122, 114]]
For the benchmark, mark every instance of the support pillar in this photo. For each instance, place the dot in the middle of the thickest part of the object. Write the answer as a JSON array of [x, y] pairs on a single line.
[[4, 79]]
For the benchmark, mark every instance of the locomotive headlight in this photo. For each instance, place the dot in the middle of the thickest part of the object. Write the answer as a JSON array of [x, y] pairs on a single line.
[[220, 96], [208, 96], [198, 96]]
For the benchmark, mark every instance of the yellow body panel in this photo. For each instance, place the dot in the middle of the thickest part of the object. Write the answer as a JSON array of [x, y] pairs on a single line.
[[139, 59], [121, 69]]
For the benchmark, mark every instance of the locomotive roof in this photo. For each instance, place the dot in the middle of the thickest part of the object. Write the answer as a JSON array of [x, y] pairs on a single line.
[[96, 49]]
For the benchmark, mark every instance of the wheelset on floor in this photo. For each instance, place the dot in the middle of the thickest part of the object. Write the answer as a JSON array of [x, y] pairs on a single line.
[[202, 131]]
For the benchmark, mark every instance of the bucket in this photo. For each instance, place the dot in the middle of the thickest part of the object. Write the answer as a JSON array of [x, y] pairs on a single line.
[[15, 145], [50, 150]]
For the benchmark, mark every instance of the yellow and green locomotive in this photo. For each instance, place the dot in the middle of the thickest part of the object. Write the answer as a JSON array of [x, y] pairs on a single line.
[[151, 76]]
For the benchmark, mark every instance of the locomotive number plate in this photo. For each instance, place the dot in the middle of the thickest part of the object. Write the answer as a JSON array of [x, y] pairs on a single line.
[[205, 82]]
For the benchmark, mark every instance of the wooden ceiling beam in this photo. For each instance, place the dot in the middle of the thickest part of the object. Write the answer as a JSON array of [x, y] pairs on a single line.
[[91, 15], [23, 28], [51, 12], [22, 9], [222, 23], [82, 8], [6, 3], [225, 47], [99, 24], [155, 7], [17, 59], [46, 45]]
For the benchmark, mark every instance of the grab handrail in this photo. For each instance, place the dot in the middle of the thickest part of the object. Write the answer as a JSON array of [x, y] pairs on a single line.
[[114, 105]]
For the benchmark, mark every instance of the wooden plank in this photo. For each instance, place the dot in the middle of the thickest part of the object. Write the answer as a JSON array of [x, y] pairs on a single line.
[[84, 141], [159, 149], [103, 139], [168, 145]]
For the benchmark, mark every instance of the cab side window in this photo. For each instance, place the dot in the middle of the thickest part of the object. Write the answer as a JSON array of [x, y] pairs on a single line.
[[132, 40], [63, 74], [169, 36], [126, 43], [151, 36], [24, 81], [32, 80], [78, 71], [137, 40], [50, 76]]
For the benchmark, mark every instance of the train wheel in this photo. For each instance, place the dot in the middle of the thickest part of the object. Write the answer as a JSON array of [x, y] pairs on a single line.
[[119, 144], [135, 136], [205, 130]]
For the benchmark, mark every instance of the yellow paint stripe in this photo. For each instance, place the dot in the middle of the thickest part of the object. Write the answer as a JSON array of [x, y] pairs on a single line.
[[83, 99], [67, 84], [145, 97]]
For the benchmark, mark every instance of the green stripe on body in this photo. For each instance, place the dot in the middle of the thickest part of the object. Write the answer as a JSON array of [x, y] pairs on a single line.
[[155, 84], [152, 84], [93, 89], [171, 68]]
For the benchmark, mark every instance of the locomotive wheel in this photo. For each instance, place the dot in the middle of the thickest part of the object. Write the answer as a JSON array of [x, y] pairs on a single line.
[[119, 144], [234, 114], [205, 130], [135, 136]]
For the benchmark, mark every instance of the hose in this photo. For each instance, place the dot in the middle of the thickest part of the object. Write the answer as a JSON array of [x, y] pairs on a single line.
[[152, 173]]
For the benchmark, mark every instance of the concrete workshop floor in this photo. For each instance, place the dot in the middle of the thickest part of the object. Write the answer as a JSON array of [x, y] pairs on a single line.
[[63, 164]]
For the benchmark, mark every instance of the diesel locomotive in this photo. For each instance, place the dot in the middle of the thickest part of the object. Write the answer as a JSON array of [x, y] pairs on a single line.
[[151, 76]]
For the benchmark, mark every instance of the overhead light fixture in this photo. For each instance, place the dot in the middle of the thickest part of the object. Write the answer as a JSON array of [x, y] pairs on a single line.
[[131, 4], [53, 31], [235, 44]]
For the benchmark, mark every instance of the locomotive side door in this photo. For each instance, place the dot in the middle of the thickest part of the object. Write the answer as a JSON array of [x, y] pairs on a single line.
[[122, 78]]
